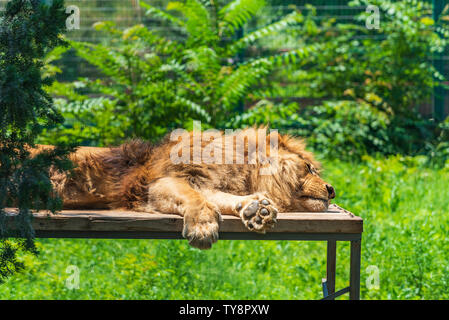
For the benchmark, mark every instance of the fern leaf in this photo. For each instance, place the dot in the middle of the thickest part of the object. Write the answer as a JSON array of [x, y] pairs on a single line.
[[203, 60], [155, 12], [236, 14], [111, 62], [198, 22], [107, 26], [157, 43], [196, 108], [293, 56], [291, 19], [237, 85]]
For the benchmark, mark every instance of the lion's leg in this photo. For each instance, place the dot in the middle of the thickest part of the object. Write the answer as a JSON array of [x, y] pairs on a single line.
[[201, 217], [257, 211]]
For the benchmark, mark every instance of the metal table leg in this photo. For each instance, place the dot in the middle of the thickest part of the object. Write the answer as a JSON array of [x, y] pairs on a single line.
[[354, 292], [331, 264]]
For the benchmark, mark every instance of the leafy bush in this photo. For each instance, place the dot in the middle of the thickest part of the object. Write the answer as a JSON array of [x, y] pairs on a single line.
[[343, 129], [438, 149], [157, 82], [88, 121], [390, 68], [263, 112]]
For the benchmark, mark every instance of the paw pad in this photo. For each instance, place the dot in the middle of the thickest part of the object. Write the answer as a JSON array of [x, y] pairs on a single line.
[[258, 215]]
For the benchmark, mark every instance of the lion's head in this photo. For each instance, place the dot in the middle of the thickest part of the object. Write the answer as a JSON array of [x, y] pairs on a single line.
[[297, 183]]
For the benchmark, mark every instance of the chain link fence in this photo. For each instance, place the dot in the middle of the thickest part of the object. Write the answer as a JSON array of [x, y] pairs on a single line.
[[126, 13]]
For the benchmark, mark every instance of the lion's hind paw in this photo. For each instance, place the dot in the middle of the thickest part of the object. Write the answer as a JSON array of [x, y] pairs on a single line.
[[202, 230], [201, 236]]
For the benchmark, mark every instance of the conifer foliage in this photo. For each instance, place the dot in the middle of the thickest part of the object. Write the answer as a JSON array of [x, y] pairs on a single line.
[[28, 29]]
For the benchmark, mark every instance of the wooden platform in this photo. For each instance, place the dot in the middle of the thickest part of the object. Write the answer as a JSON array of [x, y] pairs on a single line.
[[336, 224], [129, 224]]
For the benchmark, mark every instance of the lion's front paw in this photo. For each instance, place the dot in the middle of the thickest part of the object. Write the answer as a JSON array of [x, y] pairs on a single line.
[[258, 215], [201, 228]]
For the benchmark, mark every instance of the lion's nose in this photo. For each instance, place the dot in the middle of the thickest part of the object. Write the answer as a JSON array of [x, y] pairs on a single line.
[[331, 191]]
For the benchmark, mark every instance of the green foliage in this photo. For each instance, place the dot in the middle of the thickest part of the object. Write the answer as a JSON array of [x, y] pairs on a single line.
[[264, 113], [389, 67], [352, 129], [438, 148], [369, 83], [344, 128], [27, 30], [157, 82], [405, 223], [403, 75]]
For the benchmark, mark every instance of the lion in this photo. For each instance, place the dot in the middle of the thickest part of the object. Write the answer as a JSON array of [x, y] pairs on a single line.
[[144, 177]]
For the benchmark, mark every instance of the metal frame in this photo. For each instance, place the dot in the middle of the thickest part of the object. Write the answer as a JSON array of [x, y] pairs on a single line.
[[328, 284], [354, 274]]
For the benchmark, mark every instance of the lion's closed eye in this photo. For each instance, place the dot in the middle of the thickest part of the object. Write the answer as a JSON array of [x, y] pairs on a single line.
[[312, 170], [309, 168]]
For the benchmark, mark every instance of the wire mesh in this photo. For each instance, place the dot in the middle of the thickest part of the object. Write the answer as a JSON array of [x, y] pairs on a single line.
[[126, 13]]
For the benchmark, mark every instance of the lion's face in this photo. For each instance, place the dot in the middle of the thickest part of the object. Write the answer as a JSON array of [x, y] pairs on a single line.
[[312, 193], [301, 172]]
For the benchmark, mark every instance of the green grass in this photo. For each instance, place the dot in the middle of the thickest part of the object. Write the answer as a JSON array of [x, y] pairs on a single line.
[[406, 222]]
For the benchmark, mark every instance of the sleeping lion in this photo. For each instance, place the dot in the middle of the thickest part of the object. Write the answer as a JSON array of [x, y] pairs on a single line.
[[200, 177]]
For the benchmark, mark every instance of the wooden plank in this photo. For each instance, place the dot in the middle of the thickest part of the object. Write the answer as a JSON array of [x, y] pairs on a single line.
[[335, 220], [290, 236]]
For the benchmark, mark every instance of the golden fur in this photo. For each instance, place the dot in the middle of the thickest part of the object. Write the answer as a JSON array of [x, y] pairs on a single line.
[[140, 176]]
